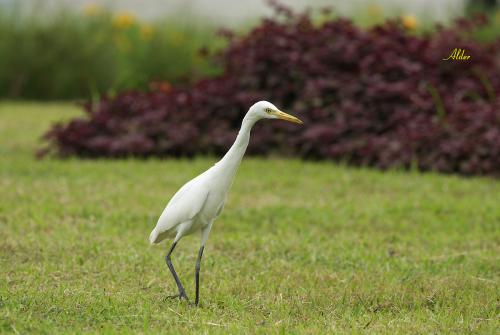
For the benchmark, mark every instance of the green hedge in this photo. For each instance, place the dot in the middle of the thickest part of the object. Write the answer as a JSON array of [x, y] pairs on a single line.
[[76, 55]]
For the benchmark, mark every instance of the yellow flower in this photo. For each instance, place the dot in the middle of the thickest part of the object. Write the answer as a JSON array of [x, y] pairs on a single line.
[[409, 21], [92, 9], [147, 32], [123, 20]]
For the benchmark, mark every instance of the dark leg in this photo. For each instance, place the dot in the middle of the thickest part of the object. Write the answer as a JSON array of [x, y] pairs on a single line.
[[182, 292], [197, 269]]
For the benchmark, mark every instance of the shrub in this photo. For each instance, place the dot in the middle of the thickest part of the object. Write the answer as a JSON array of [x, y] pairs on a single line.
[[381, 97]]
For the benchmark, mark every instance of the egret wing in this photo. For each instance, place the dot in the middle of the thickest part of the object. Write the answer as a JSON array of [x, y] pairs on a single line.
[[184, 205]]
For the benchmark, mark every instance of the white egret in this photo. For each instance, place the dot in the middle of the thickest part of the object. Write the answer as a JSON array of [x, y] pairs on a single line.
[[200, 201]]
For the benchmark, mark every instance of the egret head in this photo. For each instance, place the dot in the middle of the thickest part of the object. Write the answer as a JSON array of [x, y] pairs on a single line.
[[266, 110]]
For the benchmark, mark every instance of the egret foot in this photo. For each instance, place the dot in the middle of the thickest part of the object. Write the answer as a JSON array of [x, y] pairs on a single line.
[[180, 296]]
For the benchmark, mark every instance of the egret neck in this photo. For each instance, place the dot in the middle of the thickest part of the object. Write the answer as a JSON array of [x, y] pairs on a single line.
[[232, 159]]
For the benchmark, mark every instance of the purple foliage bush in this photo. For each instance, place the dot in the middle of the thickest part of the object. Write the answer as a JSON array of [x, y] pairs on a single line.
[[381, 97]]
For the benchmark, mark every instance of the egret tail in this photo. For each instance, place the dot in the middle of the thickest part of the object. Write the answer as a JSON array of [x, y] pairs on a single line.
[[153, 237]]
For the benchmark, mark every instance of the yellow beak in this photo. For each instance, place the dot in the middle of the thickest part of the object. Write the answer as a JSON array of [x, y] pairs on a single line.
[[284, 116]]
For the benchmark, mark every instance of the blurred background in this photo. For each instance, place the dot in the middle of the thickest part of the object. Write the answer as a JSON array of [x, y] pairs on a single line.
[[65, 49], [365, 75], [233, 14]]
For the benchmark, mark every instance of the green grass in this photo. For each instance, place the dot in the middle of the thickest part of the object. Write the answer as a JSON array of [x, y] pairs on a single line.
[[300, 248]]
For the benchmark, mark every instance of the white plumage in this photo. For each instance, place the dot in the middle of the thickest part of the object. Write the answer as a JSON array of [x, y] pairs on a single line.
[[199, 202]]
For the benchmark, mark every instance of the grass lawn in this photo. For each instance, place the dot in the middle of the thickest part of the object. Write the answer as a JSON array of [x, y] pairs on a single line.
[[300, 247]]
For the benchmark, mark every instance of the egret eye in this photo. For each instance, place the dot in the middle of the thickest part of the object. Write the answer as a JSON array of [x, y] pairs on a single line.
[[268, 110]]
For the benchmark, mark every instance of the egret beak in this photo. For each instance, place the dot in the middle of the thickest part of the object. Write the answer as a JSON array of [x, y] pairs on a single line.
[[284, 116]]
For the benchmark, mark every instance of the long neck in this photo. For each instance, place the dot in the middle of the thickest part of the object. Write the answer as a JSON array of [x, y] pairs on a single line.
[[232, 159]]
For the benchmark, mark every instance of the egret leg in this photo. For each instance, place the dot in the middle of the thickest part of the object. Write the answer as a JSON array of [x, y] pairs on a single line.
[[182, 292], [197, 269], [204, 236]]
